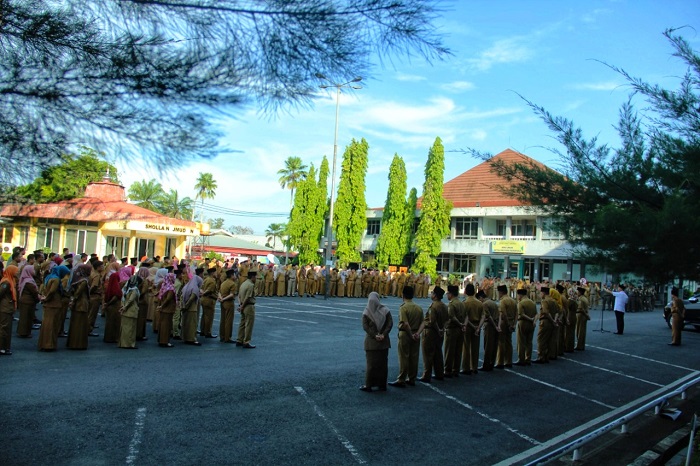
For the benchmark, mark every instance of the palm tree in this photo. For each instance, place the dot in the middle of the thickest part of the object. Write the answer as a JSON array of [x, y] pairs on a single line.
[[293, 172], [146, 194], [274, 231], [206, 189], [171, 205]]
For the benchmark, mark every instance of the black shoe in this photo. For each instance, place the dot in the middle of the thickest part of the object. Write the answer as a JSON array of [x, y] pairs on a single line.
[[248, 346], [439, 378], [195, 343], [465, 372], [425, 379], [509, 366], [540, 361], [521, 363], [36, 326], [674, 344], [93, 334], [365, 388], [210, 336], [448, 376], [177, 337], [500, 366], [165, 345], [486, 369], [617, 333], [238, 343], [475, 372], [382, 389], [398, 383]]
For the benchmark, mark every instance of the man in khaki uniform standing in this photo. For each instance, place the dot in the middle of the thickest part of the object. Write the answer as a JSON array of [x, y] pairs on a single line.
[[410, 328], [208, 294], [491, 331], [474, 319], [433, 336], [292, 281], [269, 281], [548, 309], [527, 312], [227, 296], [582, 318], [507, 315], [454, 335], [246, 299]]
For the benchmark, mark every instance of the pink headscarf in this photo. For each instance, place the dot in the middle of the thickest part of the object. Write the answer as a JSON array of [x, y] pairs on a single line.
[[125, 274], [168, 285], [27, 276]]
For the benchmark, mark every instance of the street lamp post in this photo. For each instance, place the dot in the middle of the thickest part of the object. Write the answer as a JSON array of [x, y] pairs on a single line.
[[329, 228]]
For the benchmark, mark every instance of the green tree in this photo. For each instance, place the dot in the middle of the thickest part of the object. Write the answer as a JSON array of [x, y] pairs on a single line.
[[216, 223], [274, 231], [146, 194], [142, 76], [206, 189], [293, 172], [633, 208], [323, 201], [303, 227], [171, 205], [69, 178], [409, 228], [350, 209], [434, 212], [392, 242]]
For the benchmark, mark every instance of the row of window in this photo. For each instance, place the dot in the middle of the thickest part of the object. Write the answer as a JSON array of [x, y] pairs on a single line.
[[468, 228]]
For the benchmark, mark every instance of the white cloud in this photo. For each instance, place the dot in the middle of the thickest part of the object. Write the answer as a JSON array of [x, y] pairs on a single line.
[[599, 86], [410, 77], [593, 16], [458, 86], [511, 50]]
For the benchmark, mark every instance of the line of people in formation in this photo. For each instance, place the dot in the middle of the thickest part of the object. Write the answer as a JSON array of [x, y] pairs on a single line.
[[450, 333], [175, 296]]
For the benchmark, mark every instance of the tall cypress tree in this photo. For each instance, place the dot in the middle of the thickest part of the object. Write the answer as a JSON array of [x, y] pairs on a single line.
[[435, 212], [392, 242], [350, 218], [322, 205], [303, 221], [409, 220]]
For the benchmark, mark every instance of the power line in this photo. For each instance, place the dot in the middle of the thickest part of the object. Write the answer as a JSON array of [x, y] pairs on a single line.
[[210, 208]]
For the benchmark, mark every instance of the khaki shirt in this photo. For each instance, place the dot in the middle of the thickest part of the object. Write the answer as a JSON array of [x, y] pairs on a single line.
[[411, 314]]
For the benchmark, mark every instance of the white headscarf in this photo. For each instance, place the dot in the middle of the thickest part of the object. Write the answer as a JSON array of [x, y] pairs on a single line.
[[376, 310]]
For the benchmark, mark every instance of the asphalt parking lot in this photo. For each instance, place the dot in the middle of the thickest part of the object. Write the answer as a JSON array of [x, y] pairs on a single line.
[[294, 399]]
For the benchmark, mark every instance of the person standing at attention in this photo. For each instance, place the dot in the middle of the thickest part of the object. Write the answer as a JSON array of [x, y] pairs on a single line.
[[377, 324], [677, 316], [410, 327], [246, 298]]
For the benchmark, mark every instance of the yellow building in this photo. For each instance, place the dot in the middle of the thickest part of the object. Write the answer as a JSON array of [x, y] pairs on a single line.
[[101, 222]]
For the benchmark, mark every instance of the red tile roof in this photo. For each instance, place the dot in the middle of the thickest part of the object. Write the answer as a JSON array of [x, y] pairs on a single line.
[[90, 209], [480, 184]]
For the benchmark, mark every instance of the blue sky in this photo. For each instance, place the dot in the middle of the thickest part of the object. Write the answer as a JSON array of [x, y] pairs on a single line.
[[545, 50]]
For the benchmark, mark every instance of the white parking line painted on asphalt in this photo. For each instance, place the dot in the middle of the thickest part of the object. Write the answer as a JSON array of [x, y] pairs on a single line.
[[561, 389], [485, 416], [346, 443], [136, 439], [268, 316], [612, 371], [643, 358]]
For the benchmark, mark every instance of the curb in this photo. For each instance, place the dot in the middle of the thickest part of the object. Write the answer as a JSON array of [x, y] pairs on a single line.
[[666, 449]]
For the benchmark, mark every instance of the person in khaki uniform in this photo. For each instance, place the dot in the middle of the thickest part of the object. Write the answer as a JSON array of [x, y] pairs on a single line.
[[433, 336], [227, 296], [582, 318], [96, 287], [473, 321], [410, 327], [208, 294], [280, 280], [563, 318], [527, 312], [311, 281], [8, 306], [401, 282], [507, 315], [547, 321], [357, 291], [383, 283], [677, 317], [292, 281], [269, 275], [246, 299], [454, 334], [491, 331]]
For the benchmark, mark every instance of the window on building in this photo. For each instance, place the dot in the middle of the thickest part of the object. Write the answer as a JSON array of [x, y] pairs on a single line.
[[522, 228], [145, 247], [374, 226], [501, 227], [529, 269], [466, 227], [117, 245], [7, 234], [443, 263], [170, 247], [77, 241], [47, 238], [465, 263], [551, 229]]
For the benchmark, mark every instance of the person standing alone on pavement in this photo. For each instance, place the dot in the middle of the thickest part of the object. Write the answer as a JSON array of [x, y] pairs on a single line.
[[677, 316], [619, 307]]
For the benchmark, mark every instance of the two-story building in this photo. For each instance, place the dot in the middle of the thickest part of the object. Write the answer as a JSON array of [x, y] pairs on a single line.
[[492, 234]]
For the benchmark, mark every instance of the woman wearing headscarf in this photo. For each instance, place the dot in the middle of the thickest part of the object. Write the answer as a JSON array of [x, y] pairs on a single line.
[[65, 304], [190, 309], [125, 274], [113, 296], [28, 297], [80, 306], [280, 275], [377, 323], [157, 283], [129, 312], [144, 287], [150, 296], [52, 304], [8, 306], [168, 305]]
